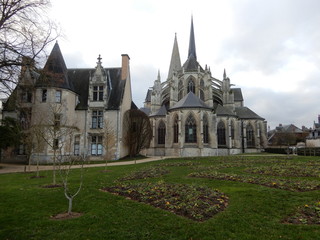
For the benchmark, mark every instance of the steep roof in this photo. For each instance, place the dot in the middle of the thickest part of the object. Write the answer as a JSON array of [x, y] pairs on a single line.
[[80, 80], [223, 111], [237, 94], [190, 101], [145, 110], [148, 96], [161, 112], [55, 73], [246, 113]]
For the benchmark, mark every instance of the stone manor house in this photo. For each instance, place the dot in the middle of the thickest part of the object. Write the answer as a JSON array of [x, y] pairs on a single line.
[[81, 110], [191, 112], [195, 114]]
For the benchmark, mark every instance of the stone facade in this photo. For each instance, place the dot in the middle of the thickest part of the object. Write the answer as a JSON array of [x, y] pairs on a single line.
[[79, 111], [194, 114]]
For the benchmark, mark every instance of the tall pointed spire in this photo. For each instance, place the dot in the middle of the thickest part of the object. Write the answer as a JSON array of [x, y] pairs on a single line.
[[192, 43], [175, 63]]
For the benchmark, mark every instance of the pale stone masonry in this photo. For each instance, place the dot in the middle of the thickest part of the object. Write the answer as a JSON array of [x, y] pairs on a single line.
[[91, 102], [194, 114]]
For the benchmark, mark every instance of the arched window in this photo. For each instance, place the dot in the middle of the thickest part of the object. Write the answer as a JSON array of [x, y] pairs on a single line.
[[176, 130], [190, 130], [161, 133], [202, 84], [205, 129], [221, 132], [191, 86], [232, 130], [201, 94], [250, 136], [180, 90]]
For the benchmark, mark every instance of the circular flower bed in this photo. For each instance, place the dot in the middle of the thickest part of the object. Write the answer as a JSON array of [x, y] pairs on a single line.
[[194, 202]]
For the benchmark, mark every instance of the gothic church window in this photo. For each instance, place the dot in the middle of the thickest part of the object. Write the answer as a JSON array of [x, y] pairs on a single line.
[[180, 89], [221, 134], [190, 130], [201, 94], [161, 133], [191, 86], [205, 129], [232, 131], [250, 135], [97, 119], [98, 93], [176, 130], [96, 145]]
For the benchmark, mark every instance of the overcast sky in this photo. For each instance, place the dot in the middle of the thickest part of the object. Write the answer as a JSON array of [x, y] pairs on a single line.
[[270, 49]]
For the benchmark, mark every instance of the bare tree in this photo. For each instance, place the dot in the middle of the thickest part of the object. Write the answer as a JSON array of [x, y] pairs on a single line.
[[58, 132], [25, 31], [109, 141], [65, 171], [138, 132], [33, 142]]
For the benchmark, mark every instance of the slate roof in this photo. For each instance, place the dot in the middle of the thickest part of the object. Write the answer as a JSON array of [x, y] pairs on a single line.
[[224, 111], [191, 65], [147, 111], [161, 112], [80, 79], [190, 101], [246, 113], [148, 96], [55, 73], [237, 94]]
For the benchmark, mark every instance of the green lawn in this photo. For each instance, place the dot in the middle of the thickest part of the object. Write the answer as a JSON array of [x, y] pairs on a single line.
[[262, 191]]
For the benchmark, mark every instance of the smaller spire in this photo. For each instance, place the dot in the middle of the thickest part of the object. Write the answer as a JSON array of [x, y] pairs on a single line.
[[224, 74], [159, 79]]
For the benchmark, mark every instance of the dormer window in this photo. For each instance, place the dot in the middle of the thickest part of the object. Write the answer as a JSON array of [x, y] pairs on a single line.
[[98, 93]]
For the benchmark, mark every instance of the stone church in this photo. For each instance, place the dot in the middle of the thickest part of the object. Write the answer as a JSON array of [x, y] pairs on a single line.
[[76, 110], [195, 114]]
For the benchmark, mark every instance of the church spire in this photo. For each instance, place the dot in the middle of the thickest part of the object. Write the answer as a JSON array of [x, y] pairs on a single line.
[[192, 43], [175, 63]]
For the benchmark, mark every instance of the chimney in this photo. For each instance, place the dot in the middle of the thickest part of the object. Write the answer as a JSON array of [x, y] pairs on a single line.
[[125, 66]]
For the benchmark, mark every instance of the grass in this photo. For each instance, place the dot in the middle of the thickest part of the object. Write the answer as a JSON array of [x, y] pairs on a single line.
[[254, 211]]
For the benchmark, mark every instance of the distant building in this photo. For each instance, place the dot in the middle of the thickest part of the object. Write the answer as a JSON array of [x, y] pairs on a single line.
[[90, 101], [313, 140], [193, 113], [286, 135]]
